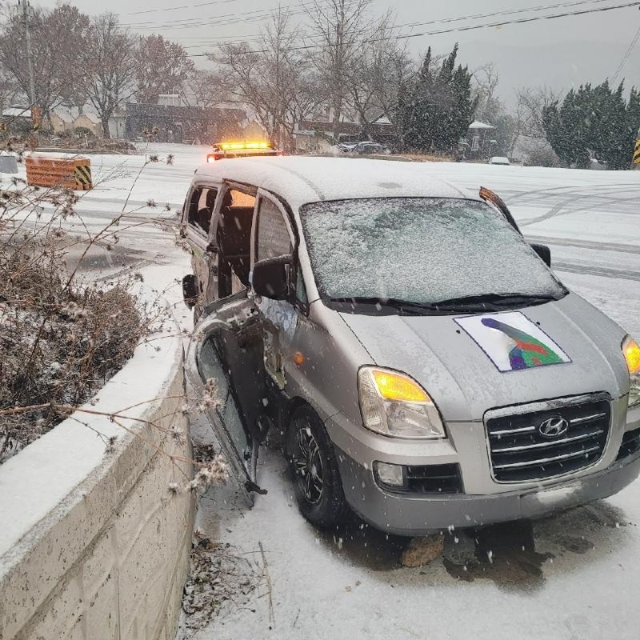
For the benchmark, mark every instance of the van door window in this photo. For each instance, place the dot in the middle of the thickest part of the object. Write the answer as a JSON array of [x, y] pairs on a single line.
[[201, 209], [233, 239], [272, 241], [273, 235]]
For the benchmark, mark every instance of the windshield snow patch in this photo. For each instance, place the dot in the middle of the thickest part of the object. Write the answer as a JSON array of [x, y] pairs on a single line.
[[422, 250]]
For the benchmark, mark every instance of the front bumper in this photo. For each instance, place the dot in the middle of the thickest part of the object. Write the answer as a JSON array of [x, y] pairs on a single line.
[[416, 515]]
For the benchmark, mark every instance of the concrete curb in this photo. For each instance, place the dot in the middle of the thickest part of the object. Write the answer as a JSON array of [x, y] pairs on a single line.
[[94, 545]]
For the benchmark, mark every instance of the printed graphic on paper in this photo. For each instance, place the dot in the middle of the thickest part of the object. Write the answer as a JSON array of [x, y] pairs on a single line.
[[512, 342]]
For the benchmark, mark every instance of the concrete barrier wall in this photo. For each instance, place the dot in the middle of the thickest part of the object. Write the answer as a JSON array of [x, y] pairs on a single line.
[[95, 546]]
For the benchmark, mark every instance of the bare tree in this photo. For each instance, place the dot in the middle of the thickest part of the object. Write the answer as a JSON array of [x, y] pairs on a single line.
[[531, 103], [161, 67], [377, 76], [8, 88], [509, 124], [205, 88], [108, 61], [487, 80], [304, 101], [392, 82], [338, 29], [269, 79], [57, 37]]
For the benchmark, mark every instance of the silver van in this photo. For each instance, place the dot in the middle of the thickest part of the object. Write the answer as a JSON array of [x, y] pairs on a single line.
[[416, 359]]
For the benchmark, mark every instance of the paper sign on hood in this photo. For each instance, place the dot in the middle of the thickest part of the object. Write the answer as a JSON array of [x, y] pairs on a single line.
[[512, 342]]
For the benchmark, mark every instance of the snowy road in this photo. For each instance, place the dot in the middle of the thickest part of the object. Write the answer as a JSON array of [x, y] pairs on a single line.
[[571, 577]]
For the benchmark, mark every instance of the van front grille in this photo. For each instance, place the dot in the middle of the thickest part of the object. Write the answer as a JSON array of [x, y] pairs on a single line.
[[555, 440]]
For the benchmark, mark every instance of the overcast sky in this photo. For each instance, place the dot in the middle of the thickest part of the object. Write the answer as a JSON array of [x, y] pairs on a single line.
[[561, 52]]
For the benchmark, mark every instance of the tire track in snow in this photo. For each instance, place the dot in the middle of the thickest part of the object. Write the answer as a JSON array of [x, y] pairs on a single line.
[[557, 210], [591, 270], [553, 211], [586, 244], [573, 190]]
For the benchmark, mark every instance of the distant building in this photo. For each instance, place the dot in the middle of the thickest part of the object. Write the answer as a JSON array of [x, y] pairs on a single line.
[[479, 140], [88, 120], [61, 121], [170, 100], [17, 112], [317, 135], [183, 124], [68, 119], [118, 125], [253, 130]]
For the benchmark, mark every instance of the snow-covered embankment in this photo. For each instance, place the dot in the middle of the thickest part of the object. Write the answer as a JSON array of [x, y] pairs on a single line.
[[93, 544]]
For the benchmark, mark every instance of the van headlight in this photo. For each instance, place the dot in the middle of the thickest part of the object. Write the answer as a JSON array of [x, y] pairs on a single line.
[[395, 405], [631, 351]]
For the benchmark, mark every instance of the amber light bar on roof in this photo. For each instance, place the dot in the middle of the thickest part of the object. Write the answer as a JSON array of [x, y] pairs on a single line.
[[240, 146]]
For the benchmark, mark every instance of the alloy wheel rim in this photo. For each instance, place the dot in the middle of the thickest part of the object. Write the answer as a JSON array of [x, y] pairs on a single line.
[[307, 464]]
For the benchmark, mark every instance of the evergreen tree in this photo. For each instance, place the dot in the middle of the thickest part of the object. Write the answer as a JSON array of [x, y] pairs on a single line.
[[439, 106], [633, 118], [594, 122]]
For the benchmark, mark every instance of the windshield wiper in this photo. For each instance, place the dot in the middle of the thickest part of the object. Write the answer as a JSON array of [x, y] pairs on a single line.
[[497, 300], [485, 302], [394, 303]]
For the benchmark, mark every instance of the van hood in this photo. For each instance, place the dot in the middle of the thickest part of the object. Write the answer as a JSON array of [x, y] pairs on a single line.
[[472, 363]]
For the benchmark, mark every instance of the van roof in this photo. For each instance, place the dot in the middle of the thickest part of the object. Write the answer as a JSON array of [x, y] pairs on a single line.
[[301, 180]]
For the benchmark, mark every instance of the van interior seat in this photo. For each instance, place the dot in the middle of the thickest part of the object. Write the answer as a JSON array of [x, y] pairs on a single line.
[[203, 215], [234, 240]]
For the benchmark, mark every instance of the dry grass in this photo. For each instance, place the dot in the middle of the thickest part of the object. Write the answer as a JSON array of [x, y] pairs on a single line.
[[60, 340], [58, 344], [424, 157]]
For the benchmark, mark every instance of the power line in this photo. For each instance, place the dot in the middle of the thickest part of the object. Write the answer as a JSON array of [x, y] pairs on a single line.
[[255, 37], [626, 56], [225, 18], [507, 12], [184, 6], [461, 29], [263, 14]]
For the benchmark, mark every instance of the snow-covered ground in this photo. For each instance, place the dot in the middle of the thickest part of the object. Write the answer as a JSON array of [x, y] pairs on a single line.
[[575, 576]]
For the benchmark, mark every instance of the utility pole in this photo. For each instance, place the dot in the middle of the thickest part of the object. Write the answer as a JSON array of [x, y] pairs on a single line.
[[25, 6]]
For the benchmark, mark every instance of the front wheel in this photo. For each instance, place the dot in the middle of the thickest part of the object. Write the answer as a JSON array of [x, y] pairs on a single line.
[[314, 470]]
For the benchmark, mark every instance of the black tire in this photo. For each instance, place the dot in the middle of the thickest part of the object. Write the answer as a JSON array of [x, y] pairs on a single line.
[[314, 470]]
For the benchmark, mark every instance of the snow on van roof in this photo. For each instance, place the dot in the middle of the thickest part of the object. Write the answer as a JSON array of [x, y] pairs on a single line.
[[301, 180]]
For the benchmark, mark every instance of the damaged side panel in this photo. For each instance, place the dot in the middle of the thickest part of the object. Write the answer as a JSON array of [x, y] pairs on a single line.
[[225, 366], [279, 330]]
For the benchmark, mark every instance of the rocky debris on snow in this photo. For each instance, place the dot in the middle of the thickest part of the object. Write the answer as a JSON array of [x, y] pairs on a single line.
[[460, 549], [219, 577], [422, 551]]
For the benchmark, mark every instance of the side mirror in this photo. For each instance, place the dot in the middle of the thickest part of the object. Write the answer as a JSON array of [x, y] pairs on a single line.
[[544, 252], [270, 278]]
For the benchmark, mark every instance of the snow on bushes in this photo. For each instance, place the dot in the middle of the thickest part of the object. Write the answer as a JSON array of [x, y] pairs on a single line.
[[60, 339]]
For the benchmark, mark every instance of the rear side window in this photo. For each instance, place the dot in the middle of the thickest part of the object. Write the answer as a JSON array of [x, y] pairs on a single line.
[[273, 235], [201, 208]]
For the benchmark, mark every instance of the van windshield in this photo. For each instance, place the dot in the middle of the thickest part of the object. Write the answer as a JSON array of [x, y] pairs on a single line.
[[421, 251]]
